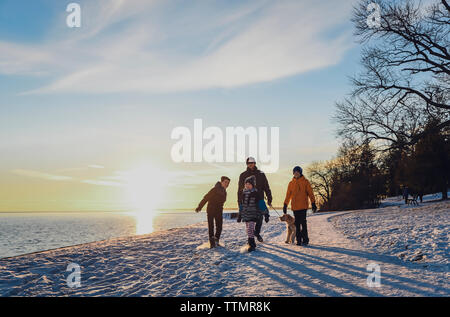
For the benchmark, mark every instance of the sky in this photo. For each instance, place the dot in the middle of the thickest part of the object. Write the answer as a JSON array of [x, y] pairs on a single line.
[[86, 114]]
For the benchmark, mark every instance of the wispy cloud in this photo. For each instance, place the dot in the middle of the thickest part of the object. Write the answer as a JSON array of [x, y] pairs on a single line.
[[152, 51], [96, 166], [101, 182], [41, 175]]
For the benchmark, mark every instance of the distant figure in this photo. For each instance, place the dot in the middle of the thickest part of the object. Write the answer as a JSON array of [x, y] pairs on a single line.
[[262, 185], [215, 198], [421, 196], [250, 209], [405, 194], [299, 190]]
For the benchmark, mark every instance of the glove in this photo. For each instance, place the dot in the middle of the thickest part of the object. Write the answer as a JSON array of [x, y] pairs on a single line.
[[284, 208], [314, 207], [240, 208], [198, 209], [239, 219], [269, 202], [266, 218]]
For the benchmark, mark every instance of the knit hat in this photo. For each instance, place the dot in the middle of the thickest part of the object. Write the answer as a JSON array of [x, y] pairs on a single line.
[[251, 160], [251, 180], [297, 169]]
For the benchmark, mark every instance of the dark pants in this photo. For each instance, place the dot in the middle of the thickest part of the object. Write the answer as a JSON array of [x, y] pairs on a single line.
[[258, 226], [300, 221], [217, 217]]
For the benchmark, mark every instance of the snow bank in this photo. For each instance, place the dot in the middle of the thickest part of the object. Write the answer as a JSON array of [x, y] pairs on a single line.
[[417, 234]]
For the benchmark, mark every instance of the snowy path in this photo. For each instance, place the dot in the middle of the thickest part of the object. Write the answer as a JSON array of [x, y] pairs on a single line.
[[170, 263]]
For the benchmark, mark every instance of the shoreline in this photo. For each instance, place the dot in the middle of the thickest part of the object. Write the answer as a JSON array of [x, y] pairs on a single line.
[[130, 225], [131, 236], [100, 241]]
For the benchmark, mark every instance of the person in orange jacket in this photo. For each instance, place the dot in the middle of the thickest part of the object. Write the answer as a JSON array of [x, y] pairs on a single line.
[[298, 192]]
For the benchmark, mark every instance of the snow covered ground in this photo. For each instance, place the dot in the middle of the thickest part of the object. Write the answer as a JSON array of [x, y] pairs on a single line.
[[418, 234], [175, 263]]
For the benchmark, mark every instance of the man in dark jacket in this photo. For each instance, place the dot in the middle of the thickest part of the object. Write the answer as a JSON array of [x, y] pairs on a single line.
[[215, 198], [262, 185]]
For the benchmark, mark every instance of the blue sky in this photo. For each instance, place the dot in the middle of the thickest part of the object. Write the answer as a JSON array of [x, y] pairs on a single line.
[[109, 93]]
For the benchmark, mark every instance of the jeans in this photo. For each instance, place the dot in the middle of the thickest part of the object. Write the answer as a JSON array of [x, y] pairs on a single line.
[[217, 218], [301, 226]]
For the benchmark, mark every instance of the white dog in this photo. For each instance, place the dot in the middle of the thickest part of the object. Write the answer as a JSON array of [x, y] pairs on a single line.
[[290, 227]]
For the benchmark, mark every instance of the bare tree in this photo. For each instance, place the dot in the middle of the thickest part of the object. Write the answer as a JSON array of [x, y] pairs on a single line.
[[351, 180], [320, 175], [406, 73], [385, 124]]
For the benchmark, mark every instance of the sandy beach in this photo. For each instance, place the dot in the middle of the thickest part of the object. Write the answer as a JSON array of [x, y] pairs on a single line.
[[177, 262]]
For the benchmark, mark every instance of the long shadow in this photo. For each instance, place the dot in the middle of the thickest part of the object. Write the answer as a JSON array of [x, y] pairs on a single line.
[[380, 258], [316, 274], [295, 287], [252, 262], [395, 281], [335, 266], [324, 262], [258, 265]]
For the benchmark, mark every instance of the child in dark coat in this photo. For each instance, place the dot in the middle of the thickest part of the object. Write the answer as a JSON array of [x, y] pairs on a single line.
[[249, 210], [215, 198]]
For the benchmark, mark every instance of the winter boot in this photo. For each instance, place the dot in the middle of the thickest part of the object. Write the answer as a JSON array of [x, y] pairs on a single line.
[[216, 240], [260, 239], [251, 244], [212, 242]]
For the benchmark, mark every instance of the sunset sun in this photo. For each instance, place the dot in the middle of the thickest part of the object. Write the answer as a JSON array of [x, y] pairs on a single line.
[[145, 188]]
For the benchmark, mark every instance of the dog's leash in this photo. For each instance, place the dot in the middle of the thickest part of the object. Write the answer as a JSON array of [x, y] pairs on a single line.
[[275, 211]]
